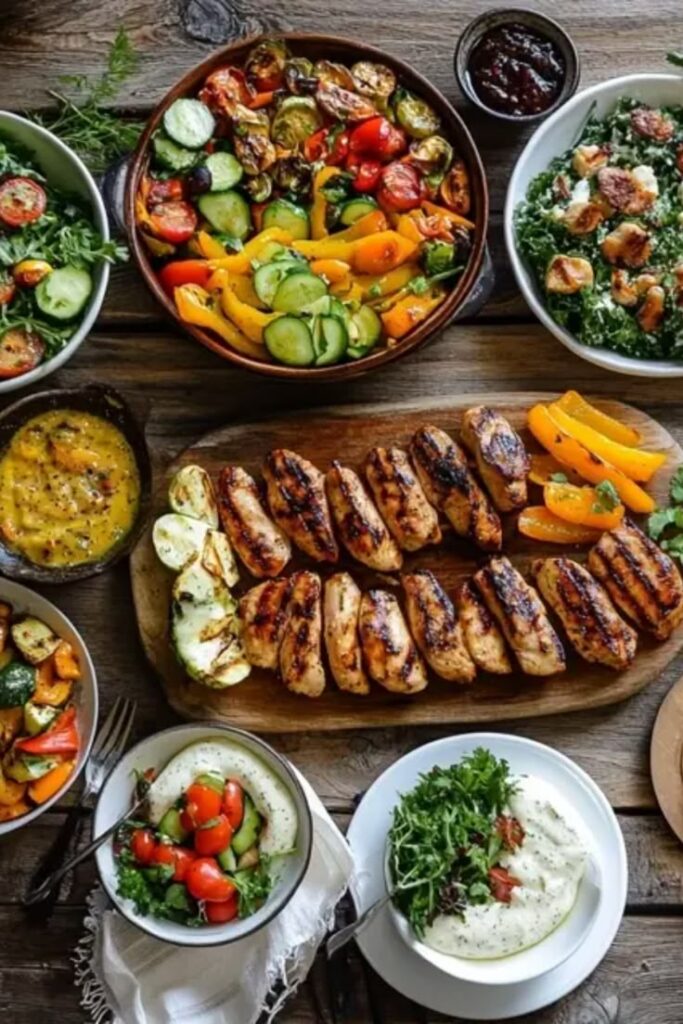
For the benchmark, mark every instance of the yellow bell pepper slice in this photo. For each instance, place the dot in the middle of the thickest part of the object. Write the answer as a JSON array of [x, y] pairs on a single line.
[[406, 226], [331, 248], [634, 462], [568, 451], [209, 247], [319, 205], [581, 505], [577, 406], [240, 262], [408, 312], [243, 287], [433, 210], [249, 321], [377, 285], [197, 306], [335, 271]]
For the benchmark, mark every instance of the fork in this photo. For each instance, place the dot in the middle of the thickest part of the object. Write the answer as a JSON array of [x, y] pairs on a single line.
[[108, 747]]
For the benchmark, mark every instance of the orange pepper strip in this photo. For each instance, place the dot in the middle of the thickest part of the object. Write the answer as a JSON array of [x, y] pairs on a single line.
[[319, 204], [380, 253], [261, 99], [50, 783], [592, 468], [581, 505], [443, 211], [49, 690], [386, 284], [65, 661], [408, 312], [336, 271], [15, 810], [539, 523], [634, 462], [544, 466], [576, 405]]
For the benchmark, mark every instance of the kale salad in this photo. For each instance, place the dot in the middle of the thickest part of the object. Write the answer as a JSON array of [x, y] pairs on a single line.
[[602, 231]]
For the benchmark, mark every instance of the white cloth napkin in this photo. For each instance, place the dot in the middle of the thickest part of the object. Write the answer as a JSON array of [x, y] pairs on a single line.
[[132, 978]]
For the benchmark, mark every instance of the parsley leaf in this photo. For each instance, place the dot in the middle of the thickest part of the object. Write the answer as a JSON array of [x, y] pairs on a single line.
[[608, 497], [676, 487]]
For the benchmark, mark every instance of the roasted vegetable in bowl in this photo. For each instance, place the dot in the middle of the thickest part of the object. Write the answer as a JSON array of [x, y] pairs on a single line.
[[294, 207]]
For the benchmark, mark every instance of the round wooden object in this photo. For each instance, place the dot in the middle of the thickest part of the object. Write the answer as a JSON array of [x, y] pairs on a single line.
[[666, 758]]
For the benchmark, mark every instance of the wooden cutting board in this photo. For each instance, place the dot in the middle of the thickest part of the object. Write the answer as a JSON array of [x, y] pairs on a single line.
[[263, 704]]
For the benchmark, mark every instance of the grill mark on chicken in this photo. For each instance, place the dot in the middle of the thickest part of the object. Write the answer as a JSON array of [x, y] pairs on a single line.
[[402, 502], [435, 628], [296, 497], [340, 615], [263, 611], [258, 541], [360, 525], [502, 459], [389, 652], [483, 638], [300, 659]]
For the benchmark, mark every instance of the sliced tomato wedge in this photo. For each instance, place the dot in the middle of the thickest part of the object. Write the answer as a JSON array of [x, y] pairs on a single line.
[[502, 883], [510, 831], [221, 913], [174, 221], [400, 188], [163, 190], [184, 272], [20, 351], [22, 200], [8, 288], [224, 90]]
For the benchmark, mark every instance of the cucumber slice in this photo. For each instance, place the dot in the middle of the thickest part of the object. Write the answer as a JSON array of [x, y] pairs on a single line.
[[172, 156], [288, 216], [289, 340], [171, 826], [227, 212], [227, 860], [178, 539], [189, 123], [216, 782], [330, 340], [63, 294], [355, 209], [298, 290], [367, 331], [268, 278], [248, 832], [225, 170]]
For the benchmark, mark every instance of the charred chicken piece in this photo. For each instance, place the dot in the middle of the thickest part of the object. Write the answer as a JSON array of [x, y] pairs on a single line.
[[594, 627], [402, 503], [263, 611], [297, 501], [502, 459], [260, 544], [390, 655], [434, 624], [522, 617], [341, 605], [450, 485], [360, 525], [483, 638], [301, 666], [641, 579]]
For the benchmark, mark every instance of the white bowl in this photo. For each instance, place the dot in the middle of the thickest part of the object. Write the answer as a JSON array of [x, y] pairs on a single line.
[[585, 808], [116, 798], [66, 171], [556, 135], [27, 602]]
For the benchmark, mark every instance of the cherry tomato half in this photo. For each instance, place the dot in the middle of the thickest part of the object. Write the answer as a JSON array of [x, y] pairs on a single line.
[[366, 173], [224, 90], [502, 883], [233, 804], [213, 837], [163, 190], [179, 856], [221, 913], [203, 803], [206, 881], [22, 200], [510, 831], [8, 288], [20, 351], [175, 221], [184, 272], [321, 145], [400, 188], [142, 845]]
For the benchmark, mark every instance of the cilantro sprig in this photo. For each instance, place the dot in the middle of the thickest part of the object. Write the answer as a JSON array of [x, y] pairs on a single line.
[[665, 525]]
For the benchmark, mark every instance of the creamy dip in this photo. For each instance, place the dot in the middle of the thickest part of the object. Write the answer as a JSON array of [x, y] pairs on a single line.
[[549, 864], [231, 760]]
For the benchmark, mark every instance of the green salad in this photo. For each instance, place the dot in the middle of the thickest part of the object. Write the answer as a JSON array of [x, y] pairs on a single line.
[[602, 231]]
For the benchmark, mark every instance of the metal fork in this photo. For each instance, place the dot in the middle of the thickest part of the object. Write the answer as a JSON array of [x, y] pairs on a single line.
[[109, 745]]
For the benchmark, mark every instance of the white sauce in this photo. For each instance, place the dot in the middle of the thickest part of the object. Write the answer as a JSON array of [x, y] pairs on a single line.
[[645, 180], [271, 797], [549, 864], [581, 192]]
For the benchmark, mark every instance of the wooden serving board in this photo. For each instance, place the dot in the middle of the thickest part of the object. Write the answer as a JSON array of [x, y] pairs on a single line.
[[263, 704]]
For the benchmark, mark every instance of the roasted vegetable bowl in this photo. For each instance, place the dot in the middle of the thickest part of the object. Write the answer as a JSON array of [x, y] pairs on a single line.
[[307, 206]]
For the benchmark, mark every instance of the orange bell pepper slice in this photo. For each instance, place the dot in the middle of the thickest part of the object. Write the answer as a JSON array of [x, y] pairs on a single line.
[[336, 271], [544, 466], [442, 211], [47, 785], [380, 253], [408, 312], [581, 505], [591, 467], [65, 661], [539, 523], [634, 462], [576, 405], [51, 691]]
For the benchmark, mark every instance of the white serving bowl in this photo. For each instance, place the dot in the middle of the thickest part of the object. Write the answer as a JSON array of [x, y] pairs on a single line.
[[64, 170], [117, 796], [556, 135], [25, 601]]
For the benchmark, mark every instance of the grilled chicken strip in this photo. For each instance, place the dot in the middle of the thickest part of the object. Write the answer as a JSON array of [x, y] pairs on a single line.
[[402, 502], [594, 627], [483, 638], [449, 484], [502, 459], [435, 627], [263, 611], [260, 544], [296, 497], [391, 657], [301, 666], [521, 616], [360, 525], [640, 578], [341, 605]]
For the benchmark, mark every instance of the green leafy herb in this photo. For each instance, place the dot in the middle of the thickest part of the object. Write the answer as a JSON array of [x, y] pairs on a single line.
[[559, 478], [438, 257], [676, 487], [254, 886], [375, 291], [443, 839], [675, 57], [98, 136], [665, 525], [419, 285], [608, 497]]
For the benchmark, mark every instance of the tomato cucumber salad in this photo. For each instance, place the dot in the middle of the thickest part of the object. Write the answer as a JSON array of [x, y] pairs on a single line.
[[304, 213], [49, 248]]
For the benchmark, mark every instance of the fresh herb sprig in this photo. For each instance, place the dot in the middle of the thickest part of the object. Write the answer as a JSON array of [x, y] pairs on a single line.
[[443, 839], [665, 525], [98, 136], [675, 57]]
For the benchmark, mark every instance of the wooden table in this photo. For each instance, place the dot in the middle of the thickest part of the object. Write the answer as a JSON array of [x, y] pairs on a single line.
[[191, 392]]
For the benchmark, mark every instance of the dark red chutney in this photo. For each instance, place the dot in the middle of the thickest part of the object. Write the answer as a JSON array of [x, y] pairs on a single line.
[[516, 71]]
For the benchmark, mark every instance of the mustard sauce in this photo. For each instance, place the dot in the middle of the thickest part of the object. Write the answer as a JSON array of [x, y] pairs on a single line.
[[69, 488]]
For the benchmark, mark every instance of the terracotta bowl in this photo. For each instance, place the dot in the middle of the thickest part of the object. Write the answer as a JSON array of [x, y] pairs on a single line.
[[109, 405], [347, 51]]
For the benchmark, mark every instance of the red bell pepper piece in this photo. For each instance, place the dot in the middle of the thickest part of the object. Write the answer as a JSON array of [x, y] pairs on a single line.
[[184, 272], [61, 738]]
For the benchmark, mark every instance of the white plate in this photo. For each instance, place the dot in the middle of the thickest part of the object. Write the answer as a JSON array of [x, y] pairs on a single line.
[[420, 981], [556, 135]]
